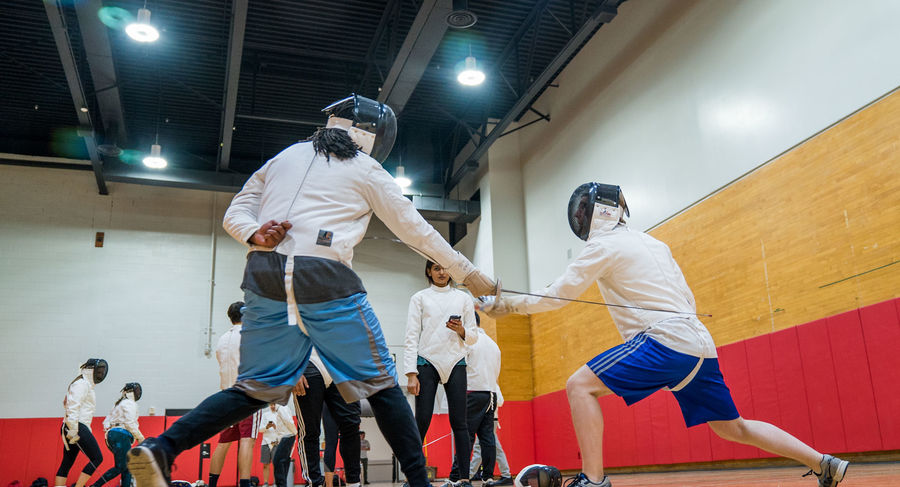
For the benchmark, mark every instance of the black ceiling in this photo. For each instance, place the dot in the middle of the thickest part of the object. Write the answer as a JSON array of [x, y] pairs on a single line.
[[297, 57]]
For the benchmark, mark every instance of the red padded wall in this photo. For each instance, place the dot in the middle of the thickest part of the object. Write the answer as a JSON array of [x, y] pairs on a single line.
[[840, 371], [881, 334]]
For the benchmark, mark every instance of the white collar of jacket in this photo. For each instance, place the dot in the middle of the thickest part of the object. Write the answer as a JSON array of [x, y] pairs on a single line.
[[444, 289], [88, 375]]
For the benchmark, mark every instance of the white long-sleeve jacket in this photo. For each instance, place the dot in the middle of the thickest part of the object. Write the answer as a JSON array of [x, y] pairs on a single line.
[[483, 364], [329, 204], [80, 403], [631, 268], [284, 424], [427, 334], [228, 354], [124, 415]]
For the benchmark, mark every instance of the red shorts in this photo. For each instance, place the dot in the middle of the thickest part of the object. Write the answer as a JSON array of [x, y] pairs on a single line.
[[235, 432]]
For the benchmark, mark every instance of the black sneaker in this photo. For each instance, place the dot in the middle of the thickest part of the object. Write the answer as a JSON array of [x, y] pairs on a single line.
[[149, 464], [581, 480], [833, 471], [463, 483], [500, 482]]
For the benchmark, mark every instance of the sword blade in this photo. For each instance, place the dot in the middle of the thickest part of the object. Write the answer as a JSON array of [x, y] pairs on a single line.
[[510, 291]]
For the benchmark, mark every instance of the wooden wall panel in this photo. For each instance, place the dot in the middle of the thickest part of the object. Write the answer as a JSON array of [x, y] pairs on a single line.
[[759, 254], [516, 371]]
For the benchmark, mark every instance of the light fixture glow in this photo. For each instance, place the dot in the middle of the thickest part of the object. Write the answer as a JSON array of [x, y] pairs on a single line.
[[154, 160], [470, 75], [141, 30], [401, 179]]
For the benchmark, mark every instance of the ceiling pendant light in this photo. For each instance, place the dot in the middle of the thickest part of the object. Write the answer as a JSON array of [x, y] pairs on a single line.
[[401, 179], [155, 159], [470, 74], [141, 30]]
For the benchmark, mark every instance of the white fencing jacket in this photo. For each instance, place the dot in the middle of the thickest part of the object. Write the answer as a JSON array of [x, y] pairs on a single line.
[[633, 269], [427, 334], [124, 415], [319, 196], [483, 364], [80, 403], [228, 353]]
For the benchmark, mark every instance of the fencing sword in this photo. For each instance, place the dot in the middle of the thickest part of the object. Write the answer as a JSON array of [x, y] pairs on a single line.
[[510, 291], [599, 303]]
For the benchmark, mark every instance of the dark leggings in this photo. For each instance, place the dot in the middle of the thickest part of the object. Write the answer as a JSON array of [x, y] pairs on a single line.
[[455, 389], [281, 460], [87, 444], [119, 441]]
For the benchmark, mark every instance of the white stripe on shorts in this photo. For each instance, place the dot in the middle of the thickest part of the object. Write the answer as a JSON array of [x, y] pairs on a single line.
[[617, 357]]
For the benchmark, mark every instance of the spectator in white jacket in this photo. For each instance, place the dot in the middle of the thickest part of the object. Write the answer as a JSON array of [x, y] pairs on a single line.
[[122, 430], [80, 404], [440, 325], [228, 354], [279, 434], [483, 370]]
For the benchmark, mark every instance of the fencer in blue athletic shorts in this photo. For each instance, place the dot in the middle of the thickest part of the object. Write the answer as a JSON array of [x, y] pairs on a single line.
[[301, 214], [666, 346]]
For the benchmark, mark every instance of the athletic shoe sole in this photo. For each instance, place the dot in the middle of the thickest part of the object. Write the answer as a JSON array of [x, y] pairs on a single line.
[[839, 473], [143, 467]]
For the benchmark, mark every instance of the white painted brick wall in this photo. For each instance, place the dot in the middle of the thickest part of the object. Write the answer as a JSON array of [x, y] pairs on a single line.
[[142, 301]]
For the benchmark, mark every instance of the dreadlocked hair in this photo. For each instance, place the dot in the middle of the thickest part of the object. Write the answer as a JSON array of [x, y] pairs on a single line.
[[328, 141]]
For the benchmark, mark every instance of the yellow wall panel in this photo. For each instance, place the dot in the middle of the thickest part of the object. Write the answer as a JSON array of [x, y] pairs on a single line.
[[760, 253]]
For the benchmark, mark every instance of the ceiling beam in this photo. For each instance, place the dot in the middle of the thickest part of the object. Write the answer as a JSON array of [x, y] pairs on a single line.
[[103, 70], [603, 14], [76, 89], [232, 78], [418, 48]]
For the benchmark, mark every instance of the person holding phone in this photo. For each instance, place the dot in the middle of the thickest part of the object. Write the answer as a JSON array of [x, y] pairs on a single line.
[[441, 323]]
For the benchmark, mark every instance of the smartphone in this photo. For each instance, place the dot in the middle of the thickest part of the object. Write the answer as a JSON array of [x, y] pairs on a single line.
[[455, 317]]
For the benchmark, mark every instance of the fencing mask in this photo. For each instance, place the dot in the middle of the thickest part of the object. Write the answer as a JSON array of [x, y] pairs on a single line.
[[538, 475], [371, 124], [592, 201], [132, 391], [98, 369]]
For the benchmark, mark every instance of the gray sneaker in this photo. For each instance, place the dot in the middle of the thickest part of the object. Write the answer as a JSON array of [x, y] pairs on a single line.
[[833, 471], [581, 480]]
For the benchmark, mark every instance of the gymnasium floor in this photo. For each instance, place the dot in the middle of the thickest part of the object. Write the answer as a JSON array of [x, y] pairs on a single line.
[[859, 475]]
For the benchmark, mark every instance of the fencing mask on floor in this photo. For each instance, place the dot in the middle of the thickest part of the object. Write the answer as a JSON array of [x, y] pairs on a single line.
[[539, 475]]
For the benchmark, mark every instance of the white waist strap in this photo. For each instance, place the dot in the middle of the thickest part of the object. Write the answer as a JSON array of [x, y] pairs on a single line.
[[687, 380]]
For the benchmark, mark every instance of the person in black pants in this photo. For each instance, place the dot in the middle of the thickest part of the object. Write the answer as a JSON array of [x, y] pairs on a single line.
[[441, 323], [316, 394], [483, 370]]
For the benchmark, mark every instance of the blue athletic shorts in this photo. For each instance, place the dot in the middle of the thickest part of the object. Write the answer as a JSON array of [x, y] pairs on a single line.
[[345, 332], [641, 366]]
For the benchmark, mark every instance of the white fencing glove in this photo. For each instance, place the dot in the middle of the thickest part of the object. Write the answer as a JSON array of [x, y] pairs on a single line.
[[479, 284], [72, 435], [494, 306]]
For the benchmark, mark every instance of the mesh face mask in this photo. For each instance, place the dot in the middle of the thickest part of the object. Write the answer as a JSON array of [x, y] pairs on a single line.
[[592, 201], [373, 125]]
